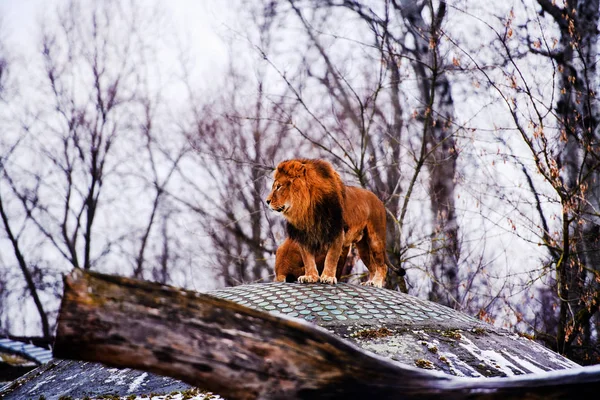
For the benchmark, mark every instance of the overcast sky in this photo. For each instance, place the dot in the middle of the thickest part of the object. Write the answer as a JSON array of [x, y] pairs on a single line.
[[197, 20]]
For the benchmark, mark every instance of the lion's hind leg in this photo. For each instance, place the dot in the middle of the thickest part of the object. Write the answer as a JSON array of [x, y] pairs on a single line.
[[371, 254], [342, 269]]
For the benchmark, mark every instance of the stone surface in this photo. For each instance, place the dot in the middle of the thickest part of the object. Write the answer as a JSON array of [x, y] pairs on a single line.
[[76, 380]]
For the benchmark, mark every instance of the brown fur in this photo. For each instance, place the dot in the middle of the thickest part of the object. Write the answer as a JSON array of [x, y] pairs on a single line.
[[289, 265], [324, 216]]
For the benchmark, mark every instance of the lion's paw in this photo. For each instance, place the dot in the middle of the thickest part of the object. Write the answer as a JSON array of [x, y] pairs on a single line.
[[308, 278], [330, 280]]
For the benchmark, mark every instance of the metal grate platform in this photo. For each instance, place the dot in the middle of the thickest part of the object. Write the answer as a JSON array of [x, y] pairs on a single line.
[[341, 303]]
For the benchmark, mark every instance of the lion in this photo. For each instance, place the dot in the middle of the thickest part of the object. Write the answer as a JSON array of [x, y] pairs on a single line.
[[325, 216]]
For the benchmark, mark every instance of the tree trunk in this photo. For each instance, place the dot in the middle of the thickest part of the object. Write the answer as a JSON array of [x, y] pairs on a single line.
[[438, 115]]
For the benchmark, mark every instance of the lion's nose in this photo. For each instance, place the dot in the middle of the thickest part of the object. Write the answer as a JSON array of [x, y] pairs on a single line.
[[268, 201]]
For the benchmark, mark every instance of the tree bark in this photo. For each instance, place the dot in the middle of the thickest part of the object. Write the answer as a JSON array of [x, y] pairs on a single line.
[[242, 353]]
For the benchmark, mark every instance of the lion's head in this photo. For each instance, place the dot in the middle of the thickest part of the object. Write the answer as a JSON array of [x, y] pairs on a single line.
[[309, 194], [288, 192]]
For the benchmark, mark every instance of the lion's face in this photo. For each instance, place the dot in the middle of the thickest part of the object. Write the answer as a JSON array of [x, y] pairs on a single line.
[[287, 187], [280, 198]]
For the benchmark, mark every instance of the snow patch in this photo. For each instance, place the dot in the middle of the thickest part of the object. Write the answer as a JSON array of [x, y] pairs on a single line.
[[117, 376], [46, 379], [137, 382], [68, 378], [527, 364], [490, 358], [457, 366], [177, 396], [498, 361]]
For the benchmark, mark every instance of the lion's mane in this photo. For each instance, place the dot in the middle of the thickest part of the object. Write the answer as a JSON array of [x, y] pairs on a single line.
[[317, 198]]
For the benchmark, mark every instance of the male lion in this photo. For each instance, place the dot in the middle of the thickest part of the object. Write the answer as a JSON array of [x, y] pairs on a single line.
[[324, 216]]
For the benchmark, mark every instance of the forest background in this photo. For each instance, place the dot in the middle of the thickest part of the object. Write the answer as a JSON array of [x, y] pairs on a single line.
[[138, 141]]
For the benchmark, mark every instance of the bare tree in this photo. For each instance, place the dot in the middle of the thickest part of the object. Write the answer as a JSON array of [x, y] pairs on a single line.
[[83, 128], [560, 130], [237, 138], [27, 270], [74, 160], [367, 135], [14, 229], [163, 164], [578, 160], [438, 116]]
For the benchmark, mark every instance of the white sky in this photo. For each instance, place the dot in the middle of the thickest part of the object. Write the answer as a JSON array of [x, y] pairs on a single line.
[[196, 20]]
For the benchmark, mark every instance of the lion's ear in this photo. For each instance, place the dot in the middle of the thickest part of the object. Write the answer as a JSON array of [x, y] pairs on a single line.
[[302, 170]]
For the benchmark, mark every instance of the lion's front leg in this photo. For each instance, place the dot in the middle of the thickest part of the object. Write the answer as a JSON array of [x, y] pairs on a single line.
[[331, 261], [311, 275]]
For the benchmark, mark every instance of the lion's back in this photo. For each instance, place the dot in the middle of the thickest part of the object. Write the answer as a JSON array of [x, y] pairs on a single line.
[[362, 208]]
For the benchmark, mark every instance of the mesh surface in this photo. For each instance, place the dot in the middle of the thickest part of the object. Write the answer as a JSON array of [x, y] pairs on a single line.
[[326, 304]]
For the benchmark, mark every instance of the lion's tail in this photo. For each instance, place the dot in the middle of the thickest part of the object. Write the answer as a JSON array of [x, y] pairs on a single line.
[[398, 270], [400, 273]]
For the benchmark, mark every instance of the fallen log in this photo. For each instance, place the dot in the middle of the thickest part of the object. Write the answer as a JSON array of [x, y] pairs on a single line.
[[242, 353]]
